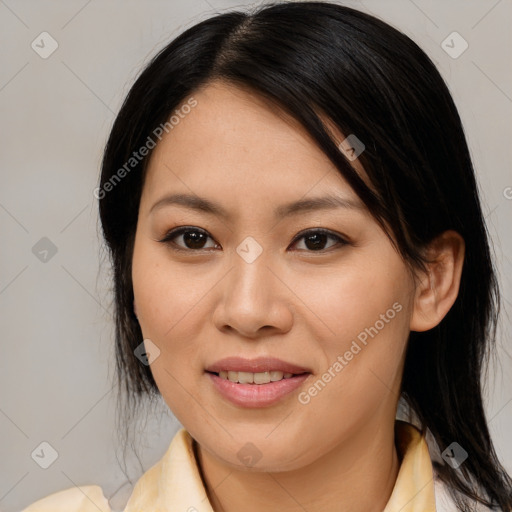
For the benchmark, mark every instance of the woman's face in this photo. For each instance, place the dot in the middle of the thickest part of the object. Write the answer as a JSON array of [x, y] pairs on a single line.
[[260, 281]]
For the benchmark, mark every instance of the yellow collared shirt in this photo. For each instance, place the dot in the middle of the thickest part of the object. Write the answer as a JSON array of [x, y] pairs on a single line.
[[174, 483]]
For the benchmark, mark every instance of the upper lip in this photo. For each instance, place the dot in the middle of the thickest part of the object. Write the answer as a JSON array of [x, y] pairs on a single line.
[[258, 365]]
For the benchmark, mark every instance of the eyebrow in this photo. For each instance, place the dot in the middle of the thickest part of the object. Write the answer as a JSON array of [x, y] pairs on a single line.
[[286, 210]]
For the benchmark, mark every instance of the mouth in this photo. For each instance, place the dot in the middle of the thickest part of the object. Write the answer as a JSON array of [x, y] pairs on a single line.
[[257, 378], [251, 383], [261, 370]]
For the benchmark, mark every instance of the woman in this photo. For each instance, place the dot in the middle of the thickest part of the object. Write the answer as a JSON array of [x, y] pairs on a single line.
[[296, 235]]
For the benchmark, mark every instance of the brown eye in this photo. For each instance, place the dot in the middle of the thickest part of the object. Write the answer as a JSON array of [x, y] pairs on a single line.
[[191, 238], [315, 240]]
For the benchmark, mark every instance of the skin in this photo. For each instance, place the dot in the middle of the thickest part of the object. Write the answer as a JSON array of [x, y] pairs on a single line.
[[302, 305]]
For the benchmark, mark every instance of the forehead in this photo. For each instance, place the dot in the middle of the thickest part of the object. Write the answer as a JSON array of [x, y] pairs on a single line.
[[234, 136]]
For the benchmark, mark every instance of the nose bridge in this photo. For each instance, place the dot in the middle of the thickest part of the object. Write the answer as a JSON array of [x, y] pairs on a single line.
[[251, 280]]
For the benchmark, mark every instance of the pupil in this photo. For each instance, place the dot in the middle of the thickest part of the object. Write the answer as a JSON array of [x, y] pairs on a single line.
[[317, 239], [193, 239]]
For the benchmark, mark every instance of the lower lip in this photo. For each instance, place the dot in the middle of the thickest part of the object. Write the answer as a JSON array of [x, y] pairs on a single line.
[[256, 395]]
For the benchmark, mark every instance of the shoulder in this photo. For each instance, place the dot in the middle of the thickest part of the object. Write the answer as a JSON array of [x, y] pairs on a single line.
[[87, 498]]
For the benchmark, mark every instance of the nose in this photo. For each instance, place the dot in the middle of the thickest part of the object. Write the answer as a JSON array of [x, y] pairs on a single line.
[[254, 301]]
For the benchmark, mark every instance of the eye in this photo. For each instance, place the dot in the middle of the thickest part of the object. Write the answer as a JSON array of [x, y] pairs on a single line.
[[192, 238], [315, 239]]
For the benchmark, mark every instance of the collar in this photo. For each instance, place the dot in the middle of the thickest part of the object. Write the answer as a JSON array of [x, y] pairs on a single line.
[[174, 483], [414, 486]]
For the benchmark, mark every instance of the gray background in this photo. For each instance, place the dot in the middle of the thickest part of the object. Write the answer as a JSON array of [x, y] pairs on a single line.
[[56, 371]]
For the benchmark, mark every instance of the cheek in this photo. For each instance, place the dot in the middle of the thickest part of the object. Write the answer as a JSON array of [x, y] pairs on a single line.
[[361, 380], [168, 301], [366, 307], [166, 294], [350, 299]]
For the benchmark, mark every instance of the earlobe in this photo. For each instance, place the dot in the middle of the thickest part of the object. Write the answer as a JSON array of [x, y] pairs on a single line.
[[437, 290]]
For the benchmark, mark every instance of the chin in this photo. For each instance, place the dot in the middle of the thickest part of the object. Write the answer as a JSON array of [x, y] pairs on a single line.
[[261, 456]]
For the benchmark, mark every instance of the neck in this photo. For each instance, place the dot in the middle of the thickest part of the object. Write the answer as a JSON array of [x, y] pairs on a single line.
[[356, 476]]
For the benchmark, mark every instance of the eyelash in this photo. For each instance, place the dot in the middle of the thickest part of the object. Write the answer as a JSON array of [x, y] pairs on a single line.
[[303, 234]]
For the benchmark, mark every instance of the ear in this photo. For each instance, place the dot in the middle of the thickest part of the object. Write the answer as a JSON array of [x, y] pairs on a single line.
[[436, 292]]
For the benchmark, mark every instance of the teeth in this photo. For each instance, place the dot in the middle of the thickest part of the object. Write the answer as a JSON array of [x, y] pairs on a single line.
[[275, 375], [254, 378], [233, 376], [245, 377]]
